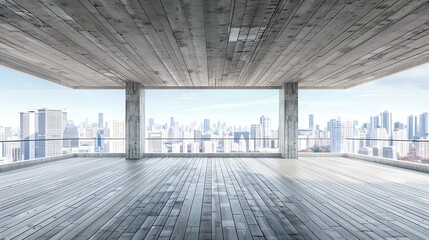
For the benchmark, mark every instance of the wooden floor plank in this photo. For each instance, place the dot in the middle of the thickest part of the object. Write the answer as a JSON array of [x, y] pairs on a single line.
[[213, 198]]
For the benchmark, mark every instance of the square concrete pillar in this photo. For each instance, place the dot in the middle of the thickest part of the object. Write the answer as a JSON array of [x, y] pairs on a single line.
[[135, 121], [288, 122]]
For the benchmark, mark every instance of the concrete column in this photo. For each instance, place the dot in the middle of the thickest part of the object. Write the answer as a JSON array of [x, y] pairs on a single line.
[[288, 122], [135, 124]]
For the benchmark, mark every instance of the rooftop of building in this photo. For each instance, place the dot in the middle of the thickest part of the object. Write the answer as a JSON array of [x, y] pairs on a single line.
[[308, 198]]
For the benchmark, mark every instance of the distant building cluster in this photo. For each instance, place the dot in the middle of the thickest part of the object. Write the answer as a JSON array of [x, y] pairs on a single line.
[[210, 137], [379, 137], [48, 132]]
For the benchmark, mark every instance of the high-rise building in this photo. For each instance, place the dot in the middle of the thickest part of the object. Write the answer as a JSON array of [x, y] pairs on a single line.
[[206, 125], [265, 123], [28, 134], [155, 142], [412, 126], [255, 135], [39, 128], [100, 133], [311, 121], [379, 138], [424, 125], [339, 131], [71, 136], [402, 147], [389, 152], [242, 137], [374, 122], [150, 124], [100, 120], [117, 131], [49, 126], [398, 125], [386, 122], [64, 122], [171, 122]]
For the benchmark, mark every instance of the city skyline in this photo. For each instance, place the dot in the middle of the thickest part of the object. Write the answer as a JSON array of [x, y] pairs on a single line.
[[403, 93], [379, 136]]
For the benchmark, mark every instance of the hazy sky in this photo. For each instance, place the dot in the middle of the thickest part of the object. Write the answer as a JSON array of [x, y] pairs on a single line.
[[403, 94]]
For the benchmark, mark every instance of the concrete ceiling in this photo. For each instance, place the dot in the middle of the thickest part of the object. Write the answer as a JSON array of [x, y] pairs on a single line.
[[213, 43]]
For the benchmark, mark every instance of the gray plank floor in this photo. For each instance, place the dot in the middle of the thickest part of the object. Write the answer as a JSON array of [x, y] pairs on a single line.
[[214, 198]]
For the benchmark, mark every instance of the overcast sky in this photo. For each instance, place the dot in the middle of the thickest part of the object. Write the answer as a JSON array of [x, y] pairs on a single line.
[[403, 94]]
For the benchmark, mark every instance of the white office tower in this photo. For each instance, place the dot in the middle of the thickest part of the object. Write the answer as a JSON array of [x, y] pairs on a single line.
[[228, 143], [423, 149], [303, 143], [194, 147], [175, 147], [379, 138], [265, 123], [362, 134], [154, 142], [340, 131], [210, 147], [117, 131], [251, 145], [187, 140], [402, 146], [242, 145]]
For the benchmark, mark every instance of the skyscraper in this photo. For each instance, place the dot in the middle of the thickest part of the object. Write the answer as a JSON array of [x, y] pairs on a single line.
[[374, 122], [311, 121], [398, 125], [339, 131], [100, 133], [255, 134], [379, 138], [265, 123], [424, 125], [28, 132], [412, 126], [49, 126], [171, 122], [206, 125], [150, 124], [242, 136], [117, 131], [100, 121], [71, 133], [154, 142], [401, 147], [386, 122]]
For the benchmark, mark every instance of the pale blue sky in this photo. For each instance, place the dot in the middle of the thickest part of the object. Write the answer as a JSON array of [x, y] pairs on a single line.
[[403, 94]]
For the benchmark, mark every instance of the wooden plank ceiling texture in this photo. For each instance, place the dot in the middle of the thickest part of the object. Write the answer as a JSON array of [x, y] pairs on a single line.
[[213, 43]]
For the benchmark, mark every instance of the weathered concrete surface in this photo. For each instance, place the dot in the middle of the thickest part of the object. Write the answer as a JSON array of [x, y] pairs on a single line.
[[135, 121], [216, 44], [288, 122]]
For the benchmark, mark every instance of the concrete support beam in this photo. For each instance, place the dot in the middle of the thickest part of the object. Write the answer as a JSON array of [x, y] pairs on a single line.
[[288, 122], [135, 124]]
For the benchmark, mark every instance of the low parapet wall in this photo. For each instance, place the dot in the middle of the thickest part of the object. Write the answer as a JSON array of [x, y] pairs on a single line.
[[392, 162], [37, 161], [386, 161]]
